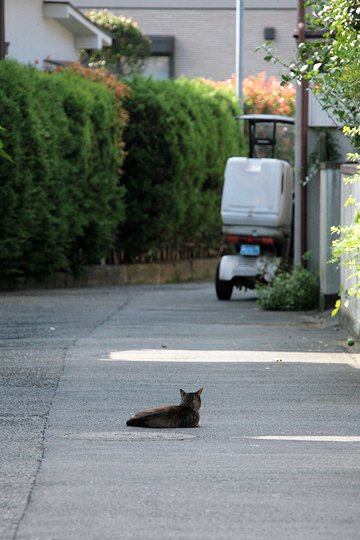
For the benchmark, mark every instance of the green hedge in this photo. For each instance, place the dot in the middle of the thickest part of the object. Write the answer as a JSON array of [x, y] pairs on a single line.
[[61, 204], [178, 138], [60, 201]]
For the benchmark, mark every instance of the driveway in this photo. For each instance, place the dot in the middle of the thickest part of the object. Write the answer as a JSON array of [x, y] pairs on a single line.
[[277, 453]]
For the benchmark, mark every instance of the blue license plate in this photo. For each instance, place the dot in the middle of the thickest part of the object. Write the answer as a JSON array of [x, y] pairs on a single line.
[[250, 250]]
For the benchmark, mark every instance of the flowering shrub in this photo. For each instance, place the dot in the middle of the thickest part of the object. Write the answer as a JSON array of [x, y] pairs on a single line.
[[267, 96], [262, 95], [130, 47]]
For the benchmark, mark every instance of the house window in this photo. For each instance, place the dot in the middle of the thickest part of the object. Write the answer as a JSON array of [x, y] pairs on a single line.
[[160, 65]]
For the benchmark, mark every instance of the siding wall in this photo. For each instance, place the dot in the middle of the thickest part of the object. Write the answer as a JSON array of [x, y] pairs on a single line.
[[317, 116], [32, 37]]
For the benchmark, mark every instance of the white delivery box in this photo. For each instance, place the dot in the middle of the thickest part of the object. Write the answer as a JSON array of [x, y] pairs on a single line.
[[257, 197]]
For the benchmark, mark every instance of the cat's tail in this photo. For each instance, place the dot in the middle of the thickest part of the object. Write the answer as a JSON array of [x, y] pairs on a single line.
[[152, 421], [155, 418], [133, 421]]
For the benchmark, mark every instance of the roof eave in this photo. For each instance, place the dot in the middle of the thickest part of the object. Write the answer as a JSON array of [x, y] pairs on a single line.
[[87, 34]]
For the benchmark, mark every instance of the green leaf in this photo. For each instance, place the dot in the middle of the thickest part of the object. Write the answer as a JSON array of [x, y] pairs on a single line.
[[4, 154]]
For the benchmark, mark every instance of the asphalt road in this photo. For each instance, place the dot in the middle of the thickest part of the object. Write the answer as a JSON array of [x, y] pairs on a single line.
[[277, 453]]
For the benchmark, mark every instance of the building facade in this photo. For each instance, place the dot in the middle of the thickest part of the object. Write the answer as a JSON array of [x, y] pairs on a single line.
[[196, 38], [45, 33]]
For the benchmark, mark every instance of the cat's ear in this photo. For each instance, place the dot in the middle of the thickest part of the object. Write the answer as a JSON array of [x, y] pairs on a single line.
[[182, 393], [199, 391]]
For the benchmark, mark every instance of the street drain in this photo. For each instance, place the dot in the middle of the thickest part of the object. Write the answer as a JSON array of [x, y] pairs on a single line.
[[127, 436]]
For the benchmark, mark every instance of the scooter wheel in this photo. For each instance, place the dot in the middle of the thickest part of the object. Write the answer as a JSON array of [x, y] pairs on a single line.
[[223, 288]]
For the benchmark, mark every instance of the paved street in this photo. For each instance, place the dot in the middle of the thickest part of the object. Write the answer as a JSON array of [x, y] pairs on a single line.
[[277, 455]]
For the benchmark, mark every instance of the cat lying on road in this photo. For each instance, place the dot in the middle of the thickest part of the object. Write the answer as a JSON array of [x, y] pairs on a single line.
[[185, 415]]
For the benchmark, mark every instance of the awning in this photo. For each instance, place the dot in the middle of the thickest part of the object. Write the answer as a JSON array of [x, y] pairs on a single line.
[[87, 35]]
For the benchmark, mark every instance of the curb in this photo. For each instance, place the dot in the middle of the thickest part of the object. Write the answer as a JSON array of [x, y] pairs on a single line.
[[125, 274]]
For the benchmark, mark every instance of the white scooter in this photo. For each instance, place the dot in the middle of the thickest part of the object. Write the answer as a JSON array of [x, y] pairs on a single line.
[[257, 206]]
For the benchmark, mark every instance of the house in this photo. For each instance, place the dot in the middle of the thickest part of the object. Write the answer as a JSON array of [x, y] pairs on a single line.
[[196, 38], [45, 33]]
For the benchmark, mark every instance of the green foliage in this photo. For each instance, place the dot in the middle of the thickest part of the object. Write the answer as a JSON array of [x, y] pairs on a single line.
[[3, 154], [346, 245], [179, 135], [333, 67], [130, 47], [290, 291], [331, 63], [61, 202]]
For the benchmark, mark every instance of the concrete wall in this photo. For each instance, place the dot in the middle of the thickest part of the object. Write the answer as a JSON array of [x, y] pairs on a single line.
[[204, 31], [314, 195], [350, 315], [123, 274], [33, 38], [330, 203]]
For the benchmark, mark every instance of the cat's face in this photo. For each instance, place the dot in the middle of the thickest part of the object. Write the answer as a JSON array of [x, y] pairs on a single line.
[[192, 399]]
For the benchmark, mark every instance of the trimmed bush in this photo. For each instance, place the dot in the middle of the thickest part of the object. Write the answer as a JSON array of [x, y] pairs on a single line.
[[179, 136], [61, 202], [291, 291]]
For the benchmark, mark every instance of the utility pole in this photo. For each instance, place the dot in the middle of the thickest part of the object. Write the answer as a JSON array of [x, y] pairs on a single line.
[[239, 51], [301, 157]]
